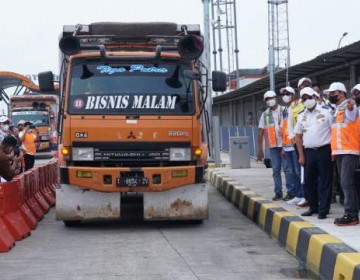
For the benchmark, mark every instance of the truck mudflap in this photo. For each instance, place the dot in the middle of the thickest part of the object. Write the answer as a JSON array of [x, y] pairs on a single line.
[[77, 204], [184, 203]]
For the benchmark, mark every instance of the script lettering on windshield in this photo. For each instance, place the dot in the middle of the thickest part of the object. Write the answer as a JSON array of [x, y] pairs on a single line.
[[96, 102], [106, 69]]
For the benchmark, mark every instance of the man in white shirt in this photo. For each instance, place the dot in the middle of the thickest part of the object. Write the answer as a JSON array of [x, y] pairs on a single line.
[[313, 137], [4, 127]]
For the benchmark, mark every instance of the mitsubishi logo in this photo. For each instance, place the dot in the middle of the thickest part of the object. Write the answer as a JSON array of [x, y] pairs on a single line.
[[131, 135]]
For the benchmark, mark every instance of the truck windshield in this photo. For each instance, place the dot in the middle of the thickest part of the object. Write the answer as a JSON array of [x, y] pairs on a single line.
[[132, 88], [38, 118]]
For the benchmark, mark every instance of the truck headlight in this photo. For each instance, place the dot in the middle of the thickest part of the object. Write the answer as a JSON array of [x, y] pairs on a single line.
[[180, 154], [82, 154]]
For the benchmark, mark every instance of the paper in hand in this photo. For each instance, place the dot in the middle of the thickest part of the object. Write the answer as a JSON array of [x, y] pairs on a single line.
[[302, 180]]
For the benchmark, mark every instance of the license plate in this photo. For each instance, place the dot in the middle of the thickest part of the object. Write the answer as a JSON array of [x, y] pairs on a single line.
[[132, 182]]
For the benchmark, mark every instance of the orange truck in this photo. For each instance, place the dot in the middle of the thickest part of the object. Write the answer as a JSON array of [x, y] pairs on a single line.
[[133, 121], [41, 110]]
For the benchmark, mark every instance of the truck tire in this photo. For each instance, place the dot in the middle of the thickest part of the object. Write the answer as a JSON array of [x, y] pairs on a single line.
[[72, 223]]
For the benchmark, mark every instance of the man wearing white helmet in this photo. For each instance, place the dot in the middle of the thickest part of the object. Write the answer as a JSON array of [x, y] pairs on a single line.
[[345, 145], [304, 82], [270, 126], [4, 127], [313, 136], [355, 91]]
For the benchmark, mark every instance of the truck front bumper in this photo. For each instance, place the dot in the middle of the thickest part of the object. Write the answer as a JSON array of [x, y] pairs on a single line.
[[184, 203]]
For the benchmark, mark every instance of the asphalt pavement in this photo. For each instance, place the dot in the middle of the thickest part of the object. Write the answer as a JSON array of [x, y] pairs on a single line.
[[228, 246]]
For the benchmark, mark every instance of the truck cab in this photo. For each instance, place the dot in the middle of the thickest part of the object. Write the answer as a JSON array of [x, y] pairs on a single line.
[[132, 121]]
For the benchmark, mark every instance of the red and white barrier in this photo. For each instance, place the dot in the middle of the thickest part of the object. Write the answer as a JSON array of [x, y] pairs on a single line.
[[24, 201]]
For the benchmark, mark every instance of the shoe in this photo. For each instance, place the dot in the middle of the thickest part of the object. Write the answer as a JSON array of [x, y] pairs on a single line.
[[346, 220], [289, 197], [322, 216], [277, 197], [308, 213], [303, 203], [293, 201]]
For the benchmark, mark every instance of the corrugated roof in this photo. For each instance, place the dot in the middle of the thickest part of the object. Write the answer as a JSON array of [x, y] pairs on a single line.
[[334, 64]]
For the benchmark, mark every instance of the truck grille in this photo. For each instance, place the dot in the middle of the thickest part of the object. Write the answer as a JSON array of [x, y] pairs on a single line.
[[131, 153]]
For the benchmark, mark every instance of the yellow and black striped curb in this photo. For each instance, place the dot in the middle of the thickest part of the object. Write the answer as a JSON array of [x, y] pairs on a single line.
[[324, 254]]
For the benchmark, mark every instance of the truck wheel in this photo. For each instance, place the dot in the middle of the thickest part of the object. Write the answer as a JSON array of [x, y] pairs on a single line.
[[72, 223]]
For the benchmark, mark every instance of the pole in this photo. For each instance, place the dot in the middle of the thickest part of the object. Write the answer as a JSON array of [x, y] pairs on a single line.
[[271, 45], [206, 60], [342, 37], [236, 50]]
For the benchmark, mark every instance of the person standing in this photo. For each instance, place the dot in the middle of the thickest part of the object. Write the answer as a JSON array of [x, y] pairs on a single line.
[[28, 136], [304, 82], [294, 110], [355, 91], [345, 145], [4, 127], [313, 137], [291, 158], [7, 171], [270, 126]]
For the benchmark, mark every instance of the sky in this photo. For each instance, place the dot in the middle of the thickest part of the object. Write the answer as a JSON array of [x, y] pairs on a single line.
[[29, 30]]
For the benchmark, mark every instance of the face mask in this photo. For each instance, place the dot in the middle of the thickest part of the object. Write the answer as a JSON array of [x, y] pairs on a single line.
[[357, 100], [334, 99], [4, 127], [309, 103], [287, 98], [271, 103]]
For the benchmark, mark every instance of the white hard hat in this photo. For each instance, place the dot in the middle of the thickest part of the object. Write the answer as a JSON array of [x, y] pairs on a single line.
[[288, 89], [269, 94], [356, 87], [4, 119], [302, 80], [336, 86], [308, 91]]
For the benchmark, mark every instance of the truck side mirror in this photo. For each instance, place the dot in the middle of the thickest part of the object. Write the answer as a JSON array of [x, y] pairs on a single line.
[[218, 81], [46, 81]]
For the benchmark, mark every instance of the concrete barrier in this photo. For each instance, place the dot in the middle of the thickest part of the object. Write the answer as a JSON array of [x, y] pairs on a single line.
[[24, 201], [326, 255]]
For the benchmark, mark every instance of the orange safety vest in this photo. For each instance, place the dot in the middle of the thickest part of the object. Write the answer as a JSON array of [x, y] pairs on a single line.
[[285, 133], [345, 134], [270, 131], [29, 144]]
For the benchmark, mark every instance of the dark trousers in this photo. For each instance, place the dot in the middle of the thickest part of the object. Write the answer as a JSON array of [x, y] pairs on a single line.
[[29, 161], [346, 165], [318, 178]]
